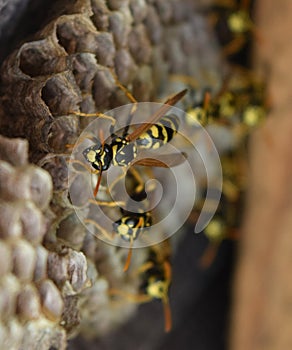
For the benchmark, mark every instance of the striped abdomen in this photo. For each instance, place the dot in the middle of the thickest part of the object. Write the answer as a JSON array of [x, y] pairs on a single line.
[[160, 133]]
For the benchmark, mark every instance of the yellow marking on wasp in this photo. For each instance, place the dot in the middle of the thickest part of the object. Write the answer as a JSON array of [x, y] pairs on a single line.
[[215, 230], [253, 115], [158, 289], [155, 131], [123, 229], [91, 155], [156, 145], [239, 22], [165, 136]]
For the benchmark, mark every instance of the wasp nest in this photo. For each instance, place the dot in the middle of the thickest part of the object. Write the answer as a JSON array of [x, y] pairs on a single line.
[[31, 303], [55, 275]]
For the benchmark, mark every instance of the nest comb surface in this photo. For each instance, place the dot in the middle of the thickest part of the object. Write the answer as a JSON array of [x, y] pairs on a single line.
[[31, 303]]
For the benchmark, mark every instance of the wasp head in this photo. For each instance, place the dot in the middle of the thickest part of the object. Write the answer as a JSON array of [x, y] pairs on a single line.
[[99, 156]]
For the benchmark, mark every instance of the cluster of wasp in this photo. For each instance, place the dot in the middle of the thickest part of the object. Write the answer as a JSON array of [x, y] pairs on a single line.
[[238, 107], [125, 149], [233, 25]]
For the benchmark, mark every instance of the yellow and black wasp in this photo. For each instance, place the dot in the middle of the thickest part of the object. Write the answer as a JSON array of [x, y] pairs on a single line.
[[123, 150], [129, 226], [136, 218], [226, 221], [232, 21], [218, 109], [241, 101], [156, 275], [135, 214], [252, 103]]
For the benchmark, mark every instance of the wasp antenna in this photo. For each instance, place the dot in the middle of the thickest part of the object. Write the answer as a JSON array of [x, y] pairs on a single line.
[[101, 137], [129, 297], [167, 269], [122, 87], [209, 255], [127, 263], [99, 228], [207, 99], [98, 182], [167, 316], [233, 234], [76, 161], [244, 5], [97, 114], [258, 35]]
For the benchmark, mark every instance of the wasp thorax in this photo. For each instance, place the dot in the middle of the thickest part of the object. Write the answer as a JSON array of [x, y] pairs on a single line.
[[124, 152]]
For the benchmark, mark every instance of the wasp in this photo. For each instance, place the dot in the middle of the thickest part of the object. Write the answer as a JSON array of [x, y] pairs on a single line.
[[226, 221], [137, 217], [256, 105], [241, 102], [133, 222], [233, 24], [135, 214], [200, 111], [122, 150], [155, 275], [244, 104], [222, 226], [128, 226], [210, 110]]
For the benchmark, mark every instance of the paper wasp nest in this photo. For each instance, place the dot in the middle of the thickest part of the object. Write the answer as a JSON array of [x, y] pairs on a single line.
[[59, 274], [31, 303]]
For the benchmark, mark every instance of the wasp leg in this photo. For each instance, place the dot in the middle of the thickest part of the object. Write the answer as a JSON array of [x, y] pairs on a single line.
[[129, 95], [81, 140], [233, 234], [123, 88], [135, 298], [146, 266], [107, 204], [99, 228], [138, 178], [83, 165], [114, 183], [167, 314], [209, 255], [234, 46], [128, 260], [96, 114]]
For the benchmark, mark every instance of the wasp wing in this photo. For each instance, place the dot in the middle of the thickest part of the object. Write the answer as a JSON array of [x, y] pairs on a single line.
[[164, 161], [156, 116]]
